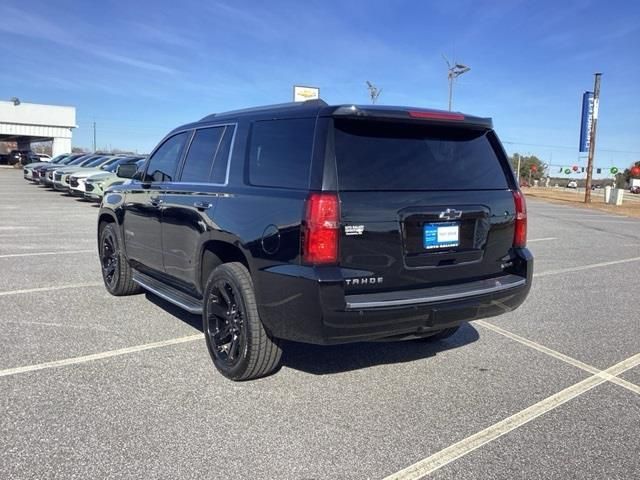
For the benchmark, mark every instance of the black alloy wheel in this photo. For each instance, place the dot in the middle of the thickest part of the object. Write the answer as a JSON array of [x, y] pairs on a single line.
[[116, 271], [109, 260], [225, 326], [239, 345]]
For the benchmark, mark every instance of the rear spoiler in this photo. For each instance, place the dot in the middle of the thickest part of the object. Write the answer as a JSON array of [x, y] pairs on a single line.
[[440, 117]]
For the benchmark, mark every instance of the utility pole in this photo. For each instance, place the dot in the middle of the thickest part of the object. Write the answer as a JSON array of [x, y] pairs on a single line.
[[518, 171], [94, 136], [592, 137], [374, 92]]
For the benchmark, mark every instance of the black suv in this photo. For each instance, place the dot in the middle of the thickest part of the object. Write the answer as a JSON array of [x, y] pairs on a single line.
[[320, 224]]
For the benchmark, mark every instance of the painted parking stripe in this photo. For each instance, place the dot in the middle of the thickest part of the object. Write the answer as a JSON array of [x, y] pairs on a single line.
[[463, 447], [560, 356], [585, 267], [629, 222], [99, 356], [51, 289], [545, 239], [37, 254]]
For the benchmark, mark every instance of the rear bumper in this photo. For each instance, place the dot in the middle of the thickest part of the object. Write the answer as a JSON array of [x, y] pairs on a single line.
[[308, 304]]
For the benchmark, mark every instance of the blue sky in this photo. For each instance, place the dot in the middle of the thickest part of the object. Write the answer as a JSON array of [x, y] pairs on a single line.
[[141, 68]]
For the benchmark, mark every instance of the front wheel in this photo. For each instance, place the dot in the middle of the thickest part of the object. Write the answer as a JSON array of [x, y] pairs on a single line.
[[238, 344], [116, 272]]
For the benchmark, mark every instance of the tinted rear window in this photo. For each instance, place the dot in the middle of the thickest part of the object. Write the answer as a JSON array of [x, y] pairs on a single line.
[[197, 166], [280, 153], [384, 156]]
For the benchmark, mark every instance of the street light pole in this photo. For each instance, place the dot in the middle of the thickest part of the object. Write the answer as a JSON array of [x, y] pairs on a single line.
[[450, 88], [592, 137], [453, 72]]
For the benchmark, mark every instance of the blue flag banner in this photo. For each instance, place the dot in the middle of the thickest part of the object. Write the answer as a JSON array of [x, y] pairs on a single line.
[[586, 121]]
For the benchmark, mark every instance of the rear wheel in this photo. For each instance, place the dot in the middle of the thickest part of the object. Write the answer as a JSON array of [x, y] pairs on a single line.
[[116, 272], [238, 344]]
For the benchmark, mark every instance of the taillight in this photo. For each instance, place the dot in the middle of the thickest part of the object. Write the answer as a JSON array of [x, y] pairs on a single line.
[[321, 229], [436, 115], [520, 231]]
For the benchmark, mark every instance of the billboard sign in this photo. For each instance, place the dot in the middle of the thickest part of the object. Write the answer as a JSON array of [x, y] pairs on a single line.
[[587, 120], [302, 94]]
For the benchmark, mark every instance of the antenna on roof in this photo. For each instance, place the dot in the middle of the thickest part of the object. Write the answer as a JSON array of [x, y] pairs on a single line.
[[374, 92]]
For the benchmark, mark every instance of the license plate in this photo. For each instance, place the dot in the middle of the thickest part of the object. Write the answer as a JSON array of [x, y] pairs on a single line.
[[441, 235]]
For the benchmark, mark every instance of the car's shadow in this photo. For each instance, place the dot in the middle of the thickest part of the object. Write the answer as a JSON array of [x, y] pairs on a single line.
[[325, 360]]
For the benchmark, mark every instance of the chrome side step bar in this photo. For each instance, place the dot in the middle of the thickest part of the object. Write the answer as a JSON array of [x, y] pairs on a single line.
[[170, 294], [410, 298]]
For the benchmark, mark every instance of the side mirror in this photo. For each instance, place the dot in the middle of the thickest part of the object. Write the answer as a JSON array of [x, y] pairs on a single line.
[[127, 170], [139, 176]]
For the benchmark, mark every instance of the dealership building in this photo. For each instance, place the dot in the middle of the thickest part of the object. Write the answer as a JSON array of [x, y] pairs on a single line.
[[26, 123]]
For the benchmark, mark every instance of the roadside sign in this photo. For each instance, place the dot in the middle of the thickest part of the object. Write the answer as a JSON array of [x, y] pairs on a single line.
[[302, 94]]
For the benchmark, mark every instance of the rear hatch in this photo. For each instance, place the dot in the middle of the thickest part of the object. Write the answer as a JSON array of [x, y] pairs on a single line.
[[422, 203]]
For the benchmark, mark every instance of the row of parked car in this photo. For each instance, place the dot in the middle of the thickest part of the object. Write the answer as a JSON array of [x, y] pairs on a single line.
[[85, 175], [23, 157]]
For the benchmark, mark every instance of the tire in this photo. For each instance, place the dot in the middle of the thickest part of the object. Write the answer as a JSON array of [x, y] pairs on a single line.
[[441, 334], [238, 344], [116, 271]]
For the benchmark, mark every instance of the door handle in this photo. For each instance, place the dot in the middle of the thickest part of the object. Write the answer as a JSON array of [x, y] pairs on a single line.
[[202, 205], [156, 201]]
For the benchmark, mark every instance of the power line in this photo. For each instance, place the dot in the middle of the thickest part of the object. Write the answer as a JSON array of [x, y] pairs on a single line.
[[566, 146]]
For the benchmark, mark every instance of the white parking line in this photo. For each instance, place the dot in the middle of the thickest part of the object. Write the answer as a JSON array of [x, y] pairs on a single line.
[[50, 289], [633, 222], [560, 356], [477, 440], [62, 252], [47, 234], [585, 267], [99, 356], [545, 239]]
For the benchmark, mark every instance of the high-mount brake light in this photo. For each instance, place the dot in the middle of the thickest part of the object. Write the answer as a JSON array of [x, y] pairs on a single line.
[[436, 115], [321, 229], [520, 230]]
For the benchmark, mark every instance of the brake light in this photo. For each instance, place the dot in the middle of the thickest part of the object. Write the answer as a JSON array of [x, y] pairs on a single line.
[[436, 115], [321, 229], [520, 231]]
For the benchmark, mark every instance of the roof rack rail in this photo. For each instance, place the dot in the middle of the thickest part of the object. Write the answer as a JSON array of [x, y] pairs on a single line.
[[316, 101]]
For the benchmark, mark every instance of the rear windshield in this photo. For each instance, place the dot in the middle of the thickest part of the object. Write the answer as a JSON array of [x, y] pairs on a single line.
[[386, 156]]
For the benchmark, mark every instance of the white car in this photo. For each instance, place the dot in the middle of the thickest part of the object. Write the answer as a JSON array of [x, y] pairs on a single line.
[[97, 177], [572, 184], [28, 169]]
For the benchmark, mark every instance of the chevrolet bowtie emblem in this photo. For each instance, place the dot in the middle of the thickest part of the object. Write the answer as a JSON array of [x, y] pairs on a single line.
[[450, 214]]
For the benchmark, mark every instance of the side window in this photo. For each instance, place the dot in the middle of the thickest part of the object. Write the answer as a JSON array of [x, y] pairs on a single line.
[[163, 163], [219, 170], [280, 153], [208, 155], [199, 162]]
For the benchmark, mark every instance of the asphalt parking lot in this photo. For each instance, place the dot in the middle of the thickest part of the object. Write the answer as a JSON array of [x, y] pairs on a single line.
[[94, 386]]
